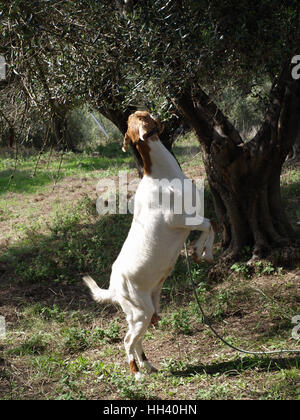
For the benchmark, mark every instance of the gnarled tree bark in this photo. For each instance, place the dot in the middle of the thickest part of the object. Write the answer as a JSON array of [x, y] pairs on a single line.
[[245, 177]]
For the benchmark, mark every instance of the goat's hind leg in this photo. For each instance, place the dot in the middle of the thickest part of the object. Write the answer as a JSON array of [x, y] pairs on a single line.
[[130, 354], [138, 321], [143, 361]]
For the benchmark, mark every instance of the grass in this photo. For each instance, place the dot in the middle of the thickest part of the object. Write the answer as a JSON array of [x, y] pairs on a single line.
[[33, 173], [59, 344]]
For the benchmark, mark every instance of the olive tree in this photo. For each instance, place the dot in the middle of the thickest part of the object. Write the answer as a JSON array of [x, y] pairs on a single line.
[[176, 57], [190, 51]]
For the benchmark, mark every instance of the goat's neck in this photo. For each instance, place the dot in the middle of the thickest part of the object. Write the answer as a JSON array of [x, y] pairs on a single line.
[[163, 163]]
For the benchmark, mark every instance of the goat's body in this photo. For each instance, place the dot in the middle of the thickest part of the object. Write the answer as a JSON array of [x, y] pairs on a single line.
[[149, 253], [153, 244], [155, 260]]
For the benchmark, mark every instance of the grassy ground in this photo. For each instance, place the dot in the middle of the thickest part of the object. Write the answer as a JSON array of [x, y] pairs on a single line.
[[61, 345]]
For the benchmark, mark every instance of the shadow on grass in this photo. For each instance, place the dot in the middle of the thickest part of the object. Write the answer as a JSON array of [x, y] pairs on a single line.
[[48, 268], [21, 179], [239, 365], [109, 156]]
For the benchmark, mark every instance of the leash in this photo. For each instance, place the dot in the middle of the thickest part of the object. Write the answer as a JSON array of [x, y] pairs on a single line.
[[208, 324]]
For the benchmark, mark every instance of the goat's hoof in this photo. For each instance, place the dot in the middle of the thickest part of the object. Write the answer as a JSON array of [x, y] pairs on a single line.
[[208, 259], [153, 369], [150, 368], [196, 258], [155, 319], [138, 376]]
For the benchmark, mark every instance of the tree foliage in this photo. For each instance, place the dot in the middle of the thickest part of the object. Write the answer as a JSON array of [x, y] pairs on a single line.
[[175, 45], [173, 57], [69, 52]]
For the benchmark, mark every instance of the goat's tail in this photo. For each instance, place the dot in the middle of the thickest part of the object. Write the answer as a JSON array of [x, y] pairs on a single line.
[[99, 295]]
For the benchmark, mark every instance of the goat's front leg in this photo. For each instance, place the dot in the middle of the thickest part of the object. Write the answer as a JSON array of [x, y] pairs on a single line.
[[155, 300], [203, 248]]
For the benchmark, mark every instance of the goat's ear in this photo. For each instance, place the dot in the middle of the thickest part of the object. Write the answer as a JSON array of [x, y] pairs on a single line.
[[160, 125], [126, 142]]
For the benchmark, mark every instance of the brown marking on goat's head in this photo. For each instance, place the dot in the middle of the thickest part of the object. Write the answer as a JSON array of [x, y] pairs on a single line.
[[141, 128], [144, 151]]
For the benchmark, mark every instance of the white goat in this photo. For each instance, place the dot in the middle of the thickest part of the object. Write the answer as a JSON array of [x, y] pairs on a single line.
[[154, 241]]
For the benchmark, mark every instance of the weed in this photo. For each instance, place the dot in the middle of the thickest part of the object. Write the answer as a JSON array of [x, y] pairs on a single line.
[[76, 339], [287, 379], [178, 321], [173, 365], [128, 387], [266, 268], [241, 268], [53, 313], [113, 330], [215, 391], [80, 339], [223, 302], [110, 334], [35, 345]]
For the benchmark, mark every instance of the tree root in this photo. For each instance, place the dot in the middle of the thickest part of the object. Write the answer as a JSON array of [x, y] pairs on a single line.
[[279, 257], [285, 257]]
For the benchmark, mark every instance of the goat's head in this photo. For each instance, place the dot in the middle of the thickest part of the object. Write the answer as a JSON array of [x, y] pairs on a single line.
[[141, 126]]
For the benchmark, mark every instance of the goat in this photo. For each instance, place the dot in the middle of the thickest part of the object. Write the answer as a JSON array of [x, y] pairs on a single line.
[[153, 244]]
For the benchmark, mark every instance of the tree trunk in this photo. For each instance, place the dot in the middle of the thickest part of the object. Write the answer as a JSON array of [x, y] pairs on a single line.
[[295, 152], [11, 137], [245, 177], [59, 131]]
